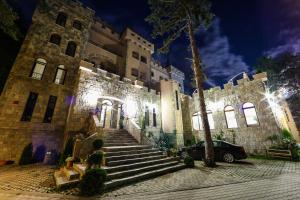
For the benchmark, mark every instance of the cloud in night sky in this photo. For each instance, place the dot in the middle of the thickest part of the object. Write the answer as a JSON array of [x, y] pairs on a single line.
[[289, 36], [220, 63]]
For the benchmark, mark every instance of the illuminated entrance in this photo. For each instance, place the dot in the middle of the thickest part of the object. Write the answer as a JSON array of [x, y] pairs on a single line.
[[110, 112]]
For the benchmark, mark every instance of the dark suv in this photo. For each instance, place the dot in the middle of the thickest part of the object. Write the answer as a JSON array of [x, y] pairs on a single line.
[[224, 151]]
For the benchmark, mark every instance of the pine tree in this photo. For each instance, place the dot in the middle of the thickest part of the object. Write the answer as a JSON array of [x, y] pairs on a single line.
[[170, 19]]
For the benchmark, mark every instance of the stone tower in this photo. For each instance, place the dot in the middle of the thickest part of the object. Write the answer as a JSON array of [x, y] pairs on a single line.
[[35, 102]]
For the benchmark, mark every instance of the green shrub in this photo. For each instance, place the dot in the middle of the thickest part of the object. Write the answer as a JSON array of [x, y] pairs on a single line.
[[95, 158], [67, 152], [189, 162], [26, 157], [92, 182], [98, 144]]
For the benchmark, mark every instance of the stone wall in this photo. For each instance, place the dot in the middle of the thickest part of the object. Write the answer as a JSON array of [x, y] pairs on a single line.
[[98, 84], [253, 138]]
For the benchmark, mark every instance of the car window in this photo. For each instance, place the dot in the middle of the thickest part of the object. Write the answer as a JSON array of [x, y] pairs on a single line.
[[200, 144], [217, 143], [224, 144]]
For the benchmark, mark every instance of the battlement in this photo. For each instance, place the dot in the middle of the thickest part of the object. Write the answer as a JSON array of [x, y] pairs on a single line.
[[100, 25], [245, 81], [89, 67], [132, 36], [156, 65]]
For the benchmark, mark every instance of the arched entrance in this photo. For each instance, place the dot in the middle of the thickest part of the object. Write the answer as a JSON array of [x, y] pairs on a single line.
[[110, 112]]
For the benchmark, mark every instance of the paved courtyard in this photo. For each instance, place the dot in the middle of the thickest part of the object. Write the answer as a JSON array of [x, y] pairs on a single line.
[[253, 179]]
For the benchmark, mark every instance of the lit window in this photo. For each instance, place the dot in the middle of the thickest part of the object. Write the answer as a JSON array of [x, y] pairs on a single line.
[[135, 55], [250, 114], [230, 117], [55, 39], [71, 49], [143, 59], [60, 75], [77, 25], [210, 119], [197, 123], [61, 19], [38, 69], [135, 72]]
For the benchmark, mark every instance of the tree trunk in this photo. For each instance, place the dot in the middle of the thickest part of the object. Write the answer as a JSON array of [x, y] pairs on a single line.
[[209, 149]]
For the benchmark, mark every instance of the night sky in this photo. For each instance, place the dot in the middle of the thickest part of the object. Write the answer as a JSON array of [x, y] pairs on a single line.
[[242, 31]]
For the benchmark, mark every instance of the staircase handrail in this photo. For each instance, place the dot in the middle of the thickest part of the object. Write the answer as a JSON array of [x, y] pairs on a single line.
[[136, 131]]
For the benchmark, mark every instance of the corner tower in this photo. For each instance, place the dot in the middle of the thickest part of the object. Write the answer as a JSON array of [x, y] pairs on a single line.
[[36, 98]]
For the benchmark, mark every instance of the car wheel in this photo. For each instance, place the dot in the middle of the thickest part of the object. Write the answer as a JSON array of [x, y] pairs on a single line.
[[228, 157]]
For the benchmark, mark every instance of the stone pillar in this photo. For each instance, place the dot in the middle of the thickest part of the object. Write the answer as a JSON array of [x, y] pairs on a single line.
[[114, 118]]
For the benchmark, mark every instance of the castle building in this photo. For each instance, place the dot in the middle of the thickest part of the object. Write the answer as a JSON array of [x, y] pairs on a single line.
[[75, 74]]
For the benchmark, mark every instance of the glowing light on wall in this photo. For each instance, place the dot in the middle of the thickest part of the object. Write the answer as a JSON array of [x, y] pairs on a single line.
[[91, 98], [275, 106], [216, 106], [130, 108]]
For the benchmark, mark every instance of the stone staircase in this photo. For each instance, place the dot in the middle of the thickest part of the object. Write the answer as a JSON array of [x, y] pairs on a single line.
[[125, 162]]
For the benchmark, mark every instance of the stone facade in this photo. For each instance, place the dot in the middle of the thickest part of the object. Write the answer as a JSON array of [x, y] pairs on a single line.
[[16, 134], [252, 137], [108, 75]]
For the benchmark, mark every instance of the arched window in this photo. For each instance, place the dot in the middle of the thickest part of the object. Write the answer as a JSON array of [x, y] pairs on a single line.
[[250, 114], [197, 121], [71, 49], [230, 117], [38, 69], [210, 119], [77, 25], [61, 19], [60, 75], [55, 39]]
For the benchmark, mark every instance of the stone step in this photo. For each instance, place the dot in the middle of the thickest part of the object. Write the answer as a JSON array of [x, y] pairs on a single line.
[[62, 181], [138, 165], [71, 174], [118, 139], [131, 172], [117, 153], [126, 148], [131, 156], [134, 160], [110, 137], [119, 144], [146, 175]]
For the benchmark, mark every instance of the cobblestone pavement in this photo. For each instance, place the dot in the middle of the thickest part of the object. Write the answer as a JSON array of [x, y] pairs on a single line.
[[39, 179], [285, 186]]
